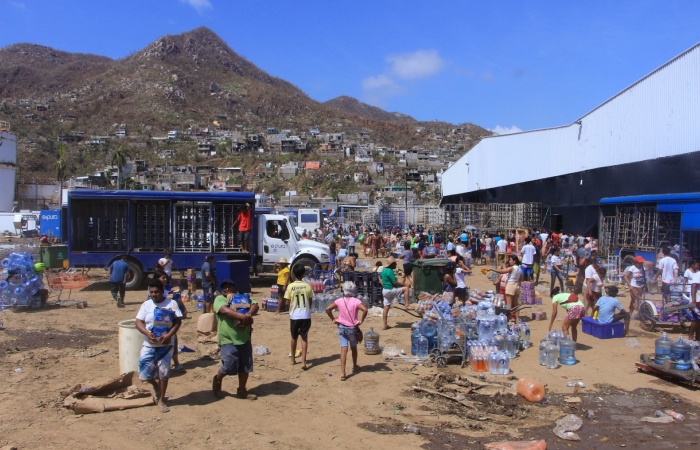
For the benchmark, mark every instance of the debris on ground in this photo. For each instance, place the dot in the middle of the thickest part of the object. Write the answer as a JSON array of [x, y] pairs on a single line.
[[517, 445], [566, 426]]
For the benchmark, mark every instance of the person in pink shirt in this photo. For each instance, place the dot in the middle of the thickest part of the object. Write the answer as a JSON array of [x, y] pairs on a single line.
[[348, 324]]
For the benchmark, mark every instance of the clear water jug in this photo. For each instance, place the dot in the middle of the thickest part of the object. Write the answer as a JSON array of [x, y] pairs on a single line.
[[551, 356], [681, 354], [662, 349], [372, 342], [543, 351], [428, 328], [422, 347], [567, 352]]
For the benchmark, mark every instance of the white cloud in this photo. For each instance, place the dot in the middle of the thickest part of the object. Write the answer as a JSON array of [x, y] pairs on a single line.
[[377, 89], [419, 64], [199, 5], [406, 66], [505, 130], [18, 5]]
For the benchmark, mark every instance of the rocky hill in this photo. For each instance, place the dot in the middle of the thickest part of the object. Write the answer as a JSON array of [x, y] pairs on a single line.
[[189, 80]]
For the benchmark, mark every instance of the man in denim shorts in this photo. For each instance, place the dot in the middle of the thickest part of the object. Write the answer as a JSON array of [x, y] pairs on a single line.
[[234, 339]]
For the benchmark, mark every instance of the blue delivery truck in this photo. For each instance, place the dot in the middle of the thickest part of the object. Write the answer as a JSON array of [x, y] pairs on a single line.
[[106, 225]]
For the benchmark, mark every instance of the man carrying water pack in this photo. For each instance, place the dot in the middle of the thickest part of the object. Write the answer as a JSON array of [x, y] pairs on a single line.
[[234, 329], [158, 320]]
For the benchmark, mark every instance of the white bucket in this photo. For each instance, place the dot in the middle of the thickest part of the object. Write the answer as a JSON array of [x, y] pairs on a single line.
[[130, 343]]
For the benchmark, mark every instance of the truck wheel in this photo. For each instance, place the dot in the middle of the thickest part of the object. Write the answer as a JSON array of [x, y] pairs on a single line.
[[134, 277], [307, 263]]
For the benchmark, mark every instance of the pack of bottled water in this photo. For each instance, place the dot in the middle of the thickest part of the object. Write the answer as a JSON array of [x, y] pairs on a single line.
[[20, 284]]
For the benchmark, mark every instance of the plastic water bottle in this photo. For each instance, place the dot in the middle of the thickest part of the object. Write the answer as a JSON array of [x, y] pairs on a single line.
[[662, 349], [415, 334], [428, 328], [567, 352], [503, 363], [493, 362], [511, 345], [501, 324], [543, 351], [422, 347], [525, 334], [551, 356]]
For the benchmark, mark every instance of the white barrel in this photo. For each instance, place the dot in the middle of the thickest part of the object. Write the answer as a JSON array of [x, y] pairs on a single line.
[[130, 343]]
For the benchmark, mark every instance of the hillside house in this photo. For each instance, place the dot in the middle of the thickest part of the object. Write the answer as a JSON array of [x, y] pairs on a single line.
[[312, 165], [206, 148], [365, 135], [288, 171], [173, 134]]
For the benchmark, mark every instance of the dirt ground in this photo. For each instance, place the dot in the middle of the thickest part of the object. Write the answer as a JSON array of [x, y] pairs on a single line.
[[55, 349]]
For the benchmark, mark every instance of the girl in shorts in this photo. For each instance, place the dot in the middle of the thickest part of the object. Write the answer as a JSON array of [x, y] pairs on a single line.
[[575, 310]]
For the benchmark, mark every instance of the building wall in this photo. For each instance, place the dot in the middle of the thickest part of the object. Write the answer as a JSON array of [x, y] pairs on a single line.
[[8, 169], [656, 117]]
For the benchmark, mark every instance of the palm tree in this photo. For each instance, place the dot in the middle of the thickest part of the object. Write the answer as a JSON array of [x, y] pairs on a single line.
[[60, 167], [119, 160]]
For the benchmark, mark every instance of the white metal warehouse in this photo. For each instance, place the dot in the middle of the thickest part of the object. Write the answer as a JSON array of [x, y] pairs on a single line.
[[644, 140]]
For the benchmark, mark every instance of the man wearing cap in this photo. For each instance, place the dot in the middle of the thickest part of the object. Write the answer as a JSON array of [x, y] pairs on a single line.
[[282, 269], [391, 288], [244, 221], [208, 282], [233, 334], [635, 278]]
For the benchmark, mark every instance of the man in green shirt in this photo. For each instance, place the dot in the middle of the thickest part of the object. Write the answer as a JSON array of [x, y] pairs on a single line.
[[234, 329], [391, 288]]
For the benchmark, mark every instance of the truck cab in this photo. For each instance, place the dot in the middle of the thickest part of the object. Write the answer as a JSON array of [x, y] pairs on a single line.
[[277, 238]]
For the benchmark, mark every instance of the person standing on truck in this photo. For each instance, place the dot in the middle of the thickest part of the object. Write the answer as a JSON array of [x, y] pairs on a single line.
[[117, 278], [208, 283], [281, 267], [244, 221]]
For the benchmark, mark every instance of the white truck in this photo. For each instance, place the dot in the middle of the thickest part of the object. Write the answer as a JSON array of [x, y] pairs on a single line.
[[278, 237]]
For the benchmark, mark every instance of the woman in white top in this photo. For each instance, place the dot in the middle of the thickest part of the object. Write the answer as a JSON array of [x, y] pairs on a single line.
[[515, 276]]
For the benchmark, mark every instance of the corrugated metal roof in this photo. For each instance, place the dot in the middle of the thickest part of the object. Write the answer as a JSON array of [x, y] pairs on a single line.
[[655, 117]]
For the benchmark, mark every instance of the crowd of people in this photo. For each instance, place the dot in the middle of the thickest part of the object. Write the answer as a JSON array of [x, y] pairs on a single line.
[[576, 285]]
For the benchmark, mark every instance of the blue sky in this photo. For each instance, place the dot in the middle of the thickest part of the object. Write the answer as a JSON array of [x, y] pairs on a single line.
[[500, 64]]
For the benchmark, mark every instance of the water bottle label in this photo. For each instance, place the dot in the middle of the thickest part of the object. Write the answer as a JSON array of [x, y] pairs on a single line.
[[371, 345]]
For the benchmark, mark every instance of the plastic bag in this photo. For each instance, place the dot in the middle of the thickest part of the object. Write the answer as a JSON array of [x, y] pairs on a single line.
[[632, 343], [260, 350], [391, 352], [565, 427]]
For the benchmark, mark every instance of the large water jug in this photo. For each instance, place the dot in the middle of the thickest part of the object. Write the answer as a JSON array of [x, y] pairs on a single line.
[[551, 356], [662, 349], [372, 342], [681, 354], [567, 352], [428, 328], [543, 351], [512, 344], [422, 347], [503, 363], [432, 342]]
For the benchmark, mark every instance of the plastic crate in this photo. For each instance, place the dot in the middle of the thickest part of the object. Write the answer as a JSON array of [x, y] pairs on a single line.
[[603, 330]]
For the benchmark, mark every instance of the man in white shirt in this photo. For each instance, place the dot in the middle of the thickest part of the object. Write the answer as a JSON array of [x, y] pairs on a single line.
[[544, 235], [502, 246], [668, 272], [528, 258]]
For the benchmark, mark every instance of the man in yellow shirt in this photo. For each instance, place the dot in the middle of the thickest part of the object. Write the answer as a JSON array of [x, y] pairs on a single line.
[[282, 269]]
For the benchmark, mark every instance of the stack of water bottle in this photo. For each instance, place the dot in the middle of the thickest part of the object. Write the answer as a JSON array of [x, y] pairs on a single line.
[[21, 289], [321, 300], [681, 353], [555, 350]]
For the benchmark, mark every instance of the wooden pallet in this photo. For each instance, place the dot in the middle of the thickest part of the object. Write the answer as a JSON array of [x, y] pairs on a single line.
[[646, 364]]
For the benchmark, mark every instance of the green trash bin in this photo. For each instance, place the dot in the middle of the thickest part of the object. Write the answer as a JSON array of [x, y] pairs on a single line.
[[427, 275], [54, 256]]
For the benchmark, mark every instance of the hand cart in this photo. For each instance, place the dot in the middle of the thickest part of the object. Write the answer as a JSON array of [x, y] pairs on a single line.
[[656, 308], [66, 279]]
